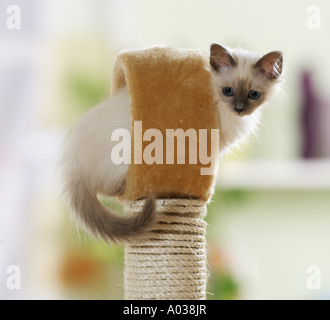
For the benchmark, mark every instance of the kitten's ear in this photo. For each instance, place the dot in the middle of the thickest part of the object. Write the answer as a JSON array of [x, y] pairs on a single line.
[[220, 57], [270, 65]]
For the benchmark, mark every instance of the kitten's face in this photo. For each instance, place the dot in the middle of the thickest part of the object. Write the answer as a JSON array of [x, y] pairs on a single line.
[[243, 80]]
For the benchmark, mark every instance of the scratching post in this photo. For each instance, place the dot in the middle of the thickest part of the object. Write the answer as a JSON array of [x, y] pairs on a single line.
[[169, 89], [171, 262]]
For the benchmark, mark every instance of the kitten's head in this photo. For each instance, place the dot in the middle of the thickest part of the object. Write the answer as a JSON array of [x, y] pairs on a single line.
[[244, 80]]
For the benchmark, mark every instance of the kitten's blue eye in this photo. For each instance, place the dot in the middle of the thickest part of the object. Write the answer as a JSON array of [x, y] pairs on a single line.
[[254, 95], [228, 91]]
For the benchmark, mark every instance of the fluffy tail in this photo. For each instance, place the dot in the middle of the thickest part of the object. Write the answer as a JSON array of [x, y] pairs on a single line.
[[100, 221]]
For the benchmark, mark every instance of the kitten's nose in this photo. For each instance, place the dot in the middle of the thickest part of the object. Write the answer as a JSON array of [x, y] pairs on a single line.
[[239, 107]]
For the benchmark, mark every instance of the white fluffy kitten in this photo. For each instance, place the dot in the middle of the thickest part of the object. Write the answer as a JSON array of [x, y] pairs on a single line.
[[243, 81]]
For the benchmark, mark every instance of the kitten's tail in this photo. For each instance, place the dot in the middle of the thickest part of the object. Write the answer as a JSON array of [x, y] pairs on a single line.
[[100, 221]]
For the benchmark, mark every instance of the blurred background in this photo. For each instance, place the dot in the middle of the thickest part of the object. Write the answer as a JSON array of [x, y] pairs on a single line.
[[269, 220]]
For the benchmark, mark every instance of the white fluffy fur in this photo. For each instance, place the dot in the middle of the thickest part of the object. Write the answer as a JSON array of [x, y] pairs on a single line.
[[235, 129], [87, 152]]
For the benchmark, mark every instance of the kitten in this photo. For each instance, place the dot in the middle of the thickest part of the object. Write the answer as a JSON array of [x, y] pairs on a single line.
[[242, 80]]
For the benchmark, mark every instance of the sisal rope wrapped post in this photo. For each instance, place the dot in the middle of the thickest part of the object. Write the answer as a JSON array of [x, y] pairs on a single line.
[[171, 262]]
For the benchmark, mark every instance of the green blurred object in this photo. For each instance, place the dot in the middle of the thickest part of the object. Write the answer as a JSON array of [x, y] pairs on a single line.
[[223, 200], [85, 90], [222, 286]]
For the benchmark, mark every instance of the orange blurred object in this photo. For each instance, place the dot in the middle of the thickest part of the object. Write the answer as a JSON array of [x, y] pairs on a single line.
[[81, 269]]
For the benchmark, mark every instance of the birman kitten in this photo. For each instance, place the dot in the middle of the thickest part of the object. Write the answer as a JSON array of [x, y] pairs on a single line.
[[242, 80]]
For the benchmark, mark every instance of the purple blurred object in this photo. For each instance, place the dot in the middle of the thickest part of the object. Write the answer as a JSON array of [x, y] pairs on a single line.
[[311, 112]]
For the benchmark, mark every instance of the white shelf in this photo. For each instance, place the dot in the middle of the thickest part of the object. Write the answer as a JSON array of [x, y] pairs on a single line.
[[265, 175]]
